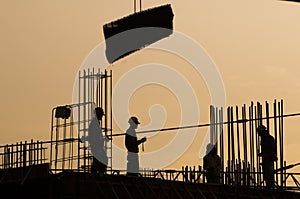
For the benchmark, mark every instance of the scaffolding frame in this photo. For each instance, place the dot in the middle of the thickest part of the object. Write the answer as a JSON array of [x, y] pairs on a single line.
[[69, 136]]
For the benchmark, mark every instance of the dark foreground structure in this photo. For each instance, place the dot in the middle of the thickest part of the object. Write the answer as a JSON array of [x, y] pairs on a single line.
[[39, 183]]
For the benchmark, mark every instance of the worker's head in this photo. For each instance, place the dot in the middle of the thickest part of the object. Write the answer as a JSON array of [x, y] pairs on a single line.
[[211, 149], [261, 130], [133, 121]]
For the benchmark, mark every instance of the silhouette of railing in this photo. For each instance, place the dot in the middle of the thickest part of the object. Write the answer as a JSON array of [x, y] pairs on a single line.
[[22, 154]]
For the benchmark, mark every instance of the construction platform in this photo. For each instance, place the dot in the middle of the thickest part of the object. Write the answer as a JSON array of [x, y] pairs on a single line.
[[37, 182]]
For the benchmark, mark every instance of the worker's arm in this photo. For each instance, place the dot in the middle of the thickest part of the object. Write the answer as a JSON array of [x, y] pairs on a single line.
[[144, 139]]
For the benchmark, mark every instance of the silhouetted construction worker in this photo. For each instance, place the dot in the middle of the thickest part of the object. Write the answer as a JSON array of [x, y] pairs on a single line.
[[268, 154], [132, 143], [97, 141], [212, 164]]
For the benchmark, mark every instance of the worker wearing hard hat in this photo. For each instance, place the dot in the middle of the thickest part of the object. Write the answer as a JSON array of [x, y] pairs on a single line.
[[132, 143], [268, 154]]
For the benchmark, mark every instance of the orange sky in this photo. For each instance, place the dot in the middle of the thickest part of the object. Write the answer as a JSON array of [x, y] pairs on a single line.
[[255, 44]]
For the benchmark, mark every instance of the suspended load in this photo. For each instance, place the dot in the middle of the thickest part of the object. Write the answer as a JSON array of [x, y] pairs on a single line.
[[292, 0], [132, 33]]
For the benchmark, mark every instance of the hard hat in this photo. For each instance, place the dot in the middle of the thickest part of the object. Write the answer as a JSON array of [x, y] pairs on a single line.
[[261, 129], [135, 120]]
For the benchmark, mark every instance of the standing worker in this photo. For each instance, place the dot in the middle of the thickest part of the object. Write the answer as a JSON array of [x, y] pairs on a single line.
[[212, 164], [268, 154], [132, 143], [96, 141]]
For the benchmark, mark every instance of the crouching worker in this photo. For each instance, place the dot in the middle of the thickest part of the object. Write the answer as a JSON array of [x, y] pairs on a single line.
[[212, 165]]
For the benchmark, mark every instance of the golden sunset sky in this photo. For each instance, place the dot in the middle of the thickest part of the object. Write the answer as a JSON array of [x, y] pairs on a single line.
[[254, 43]]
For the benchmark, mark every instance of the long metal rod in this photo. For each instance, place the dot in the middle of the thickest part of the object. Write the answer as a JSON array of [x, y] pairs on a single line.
[[51, 136], [244, 134], [111, 118], [64, 145], [238, 135], [70, 165], [275, 137], [206, 125], [258, 115], [140, 5], [251, 140], [280, 105], [233, 166], [84, 118], [56, 144], [216, 112], [221, 142], [210, 127], [134, 6], [78, 125], [282, 140]]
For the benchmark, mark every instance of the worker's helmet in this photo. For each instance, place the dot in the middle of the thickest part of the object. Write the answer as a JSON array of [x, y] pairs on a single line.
[[261, 129], [134, 120]]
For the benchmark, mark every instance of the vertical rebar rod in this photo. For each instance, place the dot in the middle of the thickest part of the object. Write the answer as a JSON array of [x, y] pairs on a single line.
[[19, 151], [84, 119], [10, 157], [282, 133], [71, 146], [228, 146], [51, 140], [285, 175], [111, 119], [232, 142], [216, 128], [280, 105], [64, 144], [280, 162], [211, 124], [99, 87], [251, 142], [5, 158], [41, 154], [140, 5], [93, 97], [56, 143], [93, 86], [245, 143], [276, 138], [24, 154], [105, 101], [97, 90], [134, 6], [238, 135], [78, 122], [258, 143], [268, 116], [30, 152], [89, 101], [37, 153], [258, 116], [221, 144], [17, 156], [90, 112], [101, 92]]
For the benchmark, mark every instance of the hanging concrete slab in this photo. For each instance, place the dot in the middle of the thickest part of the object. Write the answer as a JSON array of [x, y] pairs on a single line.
[[132, 33]]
